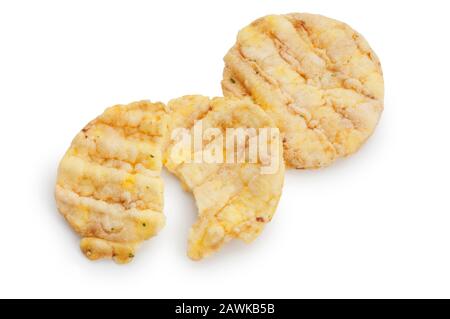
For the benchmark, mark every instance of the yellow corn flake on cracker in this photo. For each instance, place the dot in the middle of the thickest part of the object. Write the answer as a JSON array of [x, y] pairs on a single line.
[[234, 200], [109, 187], [316, 77]]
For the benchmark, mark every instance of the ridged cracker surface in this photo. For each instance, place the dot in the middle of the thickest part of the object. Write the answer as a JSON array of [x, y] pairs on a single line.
[[109, 187], [233, 200], [316, 77]]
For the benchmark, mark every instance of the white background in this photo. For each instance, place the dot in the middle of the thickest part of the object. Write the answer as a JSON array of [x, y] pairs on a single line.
[[373, 225]]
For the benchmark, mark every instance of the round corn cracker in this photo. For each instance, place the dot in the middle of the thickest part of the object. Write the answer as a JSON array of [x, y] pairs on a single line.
[[316, 77]]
